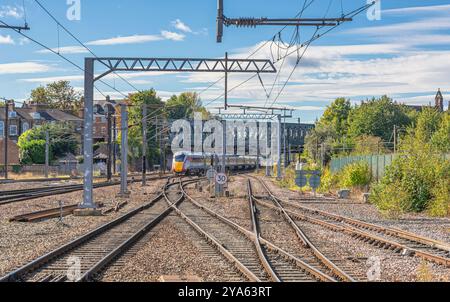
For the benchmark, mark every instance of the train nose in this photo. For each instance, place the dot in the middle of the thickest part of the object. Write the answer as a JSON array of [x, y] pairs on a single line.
[[178, 167]]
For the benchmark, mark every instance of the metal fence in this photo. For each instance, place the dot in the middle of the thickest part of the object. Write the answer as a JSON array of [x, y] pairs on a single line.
[[377, 163]]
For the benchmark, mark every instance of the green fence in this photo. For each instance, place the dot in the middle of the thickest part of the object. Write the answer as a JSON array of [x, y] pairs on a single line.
[[377, 163]]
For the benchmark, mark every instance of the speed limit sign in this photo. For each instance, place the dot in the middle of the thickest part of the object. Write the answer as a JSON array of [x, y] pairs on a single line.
[[221, 178]]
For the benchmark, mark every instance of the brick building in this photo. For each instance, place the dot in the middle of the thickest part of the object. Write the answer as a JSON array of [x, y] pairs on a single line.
[[13, 153], [21, 119]]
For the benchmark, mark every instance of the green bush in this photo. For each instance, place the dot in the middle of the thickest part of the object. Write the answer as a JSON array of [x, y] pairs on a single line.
[[329, 181], [355, 175], [419, 174], [440, 203], [390, 199], [32, 152]]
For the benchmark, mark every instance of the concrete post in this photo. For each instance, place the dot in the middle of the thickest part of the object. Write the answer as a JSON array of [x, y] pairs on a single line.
[[47, 147], [6, 137], [279, 174], [88, 150], [124, 152], [109, 119], [144, 145]]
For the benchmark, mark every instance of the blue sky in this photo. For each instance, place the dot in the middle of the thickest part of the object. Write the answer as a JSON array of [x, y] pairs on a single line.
[[406, 54]]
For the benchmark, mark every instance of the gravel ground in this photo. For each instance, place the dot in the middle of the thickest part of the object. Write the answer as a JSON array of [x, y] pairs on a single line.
[[173, 250], [30, 185], [24, 242], [345, 249], [235, 208], [435, 228]]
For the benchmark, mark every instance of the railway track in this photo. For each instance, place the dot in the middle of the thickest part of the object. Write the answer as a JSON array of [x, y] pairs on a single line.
[[307, 251], [99, 248], [399, 241], [13, 196], [45, 214], [257, 259]]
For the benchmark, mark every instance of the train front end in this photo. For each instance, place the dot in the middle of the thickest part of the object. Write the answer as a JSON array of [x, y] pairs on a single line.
[[178, 165]]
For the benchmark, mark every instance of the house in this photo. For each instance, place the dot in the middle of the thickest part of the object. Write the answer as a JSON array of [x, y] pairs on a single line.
[[21, 119], [101, 109]]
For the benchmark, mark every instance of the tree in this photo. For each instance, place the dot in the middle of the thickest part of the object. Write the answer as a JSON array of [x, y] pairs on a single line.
[[336, 116], [441, 138], [428, 123], [58, 95], [378, 117], [184, 106], [32, 143], [135, 117], [321, 139]]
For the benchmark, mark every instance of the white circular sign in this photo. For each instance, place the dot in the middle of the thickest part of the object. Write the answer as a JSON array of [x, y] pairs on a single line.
[[221, 178]]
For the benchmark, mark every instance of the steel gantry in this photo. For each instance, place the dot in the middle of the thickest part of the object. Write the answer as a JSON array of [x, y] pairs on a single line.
[[114, 64], [222, 21]]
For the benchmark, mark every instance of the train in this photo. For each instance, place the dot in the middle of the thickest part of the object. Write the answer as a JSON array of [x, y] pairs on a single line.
[[191, 163]]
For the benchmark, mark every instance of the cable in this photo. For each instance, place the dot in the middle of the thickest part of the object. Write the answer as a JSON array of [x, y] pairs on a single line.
[[61, 56], [249, 56], [81, 43], [350, 15]]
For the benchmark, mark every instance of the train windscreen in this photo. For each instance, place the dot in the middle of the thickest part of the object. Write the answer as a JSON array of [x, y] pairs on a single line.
[[180, 158]]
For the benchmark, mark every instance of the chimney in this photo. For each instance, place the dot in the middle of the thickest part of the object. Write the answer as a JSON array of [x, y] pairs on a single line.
[[108, 98], [11, 106]]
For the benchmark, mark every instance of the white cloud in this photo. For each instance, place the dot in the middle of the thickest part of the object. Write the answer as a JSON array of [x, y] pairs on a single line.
[[66, 50], [54, 79], [328, 72], [398, 29], [418, 9], [6, 40], [135, 39], [23, 67], [178, 24], [172, 36], [11, 11]]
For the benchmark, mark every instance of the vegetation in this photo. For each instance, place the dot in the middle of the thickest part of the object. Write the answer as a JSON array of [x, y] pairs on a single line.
[[32, 143], [421, 174], [58, 95], [355, 175], [177, 107], [418, 179], [184, 106]]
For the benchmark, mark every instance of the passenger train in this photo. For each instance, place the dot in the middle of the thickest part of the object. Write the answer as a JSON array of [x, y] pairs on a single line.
[[189, 163]]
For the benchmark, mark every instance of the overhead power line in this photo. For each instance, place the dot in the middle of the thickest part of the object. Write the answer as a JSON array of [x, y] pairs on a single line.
[[79, 41], [62, 57], [351, 14]]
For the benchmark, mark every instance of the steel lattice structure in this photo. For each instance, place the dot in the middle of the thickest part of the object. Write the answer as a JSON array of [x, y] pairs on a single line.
[[225, 65], [186, 65]]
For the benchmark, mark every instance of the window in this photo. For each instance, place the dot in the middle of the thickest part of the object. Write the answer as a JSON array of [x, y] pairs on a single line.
[[25, 127], [12, 114], [36, 115], [13, 130], [2, 129]]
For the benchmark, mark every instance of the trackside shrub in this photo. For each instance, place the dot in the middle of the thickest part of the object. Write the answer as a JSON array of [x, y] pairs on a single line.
[[390, 199], [355, 175], [440, 203]]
